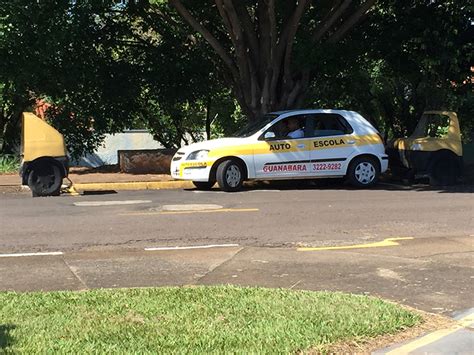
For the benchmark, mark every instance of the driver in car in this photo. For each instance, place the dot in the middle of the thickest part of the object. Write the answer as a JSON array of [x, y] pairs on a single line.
[[294, 129]]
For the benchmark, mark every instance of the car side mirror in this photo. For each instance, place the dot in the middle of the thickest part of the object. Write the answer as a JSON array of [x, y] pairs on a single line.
[[269, 135]]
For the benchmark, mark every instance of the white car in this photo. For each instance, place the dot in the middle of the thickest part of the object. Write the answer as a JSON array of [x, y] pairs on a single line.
[[322, 144]]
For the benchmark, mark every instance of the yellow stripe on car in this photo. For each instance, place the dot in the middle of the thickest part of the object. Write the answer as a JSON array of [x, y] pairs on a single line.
[[290, 146]]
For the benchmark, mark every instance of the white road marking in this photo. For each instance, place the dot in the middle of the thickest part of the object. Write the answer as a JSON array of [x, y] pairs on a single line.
[[220, 210], [109, 203], [31, 254], [191, 207], [193, 247], [389, 274], [208, 192]]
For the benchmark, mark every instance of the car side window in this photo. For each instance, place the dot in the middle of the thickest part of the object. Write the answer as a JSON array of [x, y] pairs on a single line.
[[437, 126], [328, 124], [288, 128]]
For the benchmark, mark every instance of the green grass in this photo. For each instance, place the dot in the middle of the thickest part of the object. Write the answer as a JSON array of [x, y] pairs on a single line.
[[9, 164], [223, 319]]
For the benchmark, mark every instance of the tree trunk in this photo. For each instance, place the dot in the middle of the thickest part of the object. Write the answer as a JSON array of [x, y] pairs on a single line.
[[259, 58]]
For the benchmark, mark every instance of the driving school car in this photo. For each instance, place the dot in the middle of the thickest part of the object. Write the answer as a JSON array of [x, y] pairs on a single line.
[[333, 143]]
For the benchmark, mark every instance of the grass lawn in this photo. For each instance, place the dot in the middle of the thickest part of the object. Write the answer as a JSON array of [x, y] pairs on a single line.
[[192, 320], [9, 164]]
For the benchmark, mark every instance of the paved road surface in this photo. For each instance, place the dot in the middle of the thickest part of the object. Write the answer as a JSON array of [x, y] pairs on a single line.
[[313, 217], [103, 240]]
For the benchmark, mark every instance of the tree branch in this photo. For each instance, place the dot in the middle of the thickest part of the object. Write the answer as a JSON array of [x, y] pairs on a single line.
[[249, 29], [207, 36], [351, 21], [293, 28], [244, 61], [332, 17], [225, 19]]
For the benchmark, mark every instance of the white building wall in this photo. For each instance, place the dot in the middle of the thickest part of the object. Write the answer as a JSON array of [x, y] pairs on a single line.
[[129, 140]]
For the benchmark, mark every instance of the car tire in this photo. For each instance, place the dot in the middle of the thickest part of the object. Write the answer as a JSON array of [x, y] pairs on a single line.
[[230, 175], [363, 172], [45, 180], [204, 185], [444, 172]]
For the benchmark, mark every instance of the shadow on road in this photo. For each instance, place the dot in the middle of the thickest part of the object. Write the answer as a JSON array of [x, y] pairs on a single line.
[[340, 184], [5, 338]]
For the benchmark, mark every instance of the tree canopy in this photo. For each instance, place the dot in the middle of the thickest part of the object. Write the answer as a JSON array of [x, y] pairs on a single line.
[[260, 42], [180, 67]]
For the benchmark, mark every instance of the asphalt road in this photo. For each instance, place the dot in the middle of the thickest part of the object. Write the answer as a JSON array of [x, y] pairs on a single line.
[[313, 216], [412, 245]]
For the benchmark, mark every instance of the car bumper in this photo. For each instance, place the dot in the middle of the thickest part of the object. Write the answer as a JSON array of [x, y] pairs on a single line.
[[383, 163], [186, 170]]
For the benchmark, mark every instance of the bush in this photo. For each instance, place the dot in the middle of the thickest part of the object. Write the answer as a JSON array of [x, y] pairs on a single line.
[[9, 163]]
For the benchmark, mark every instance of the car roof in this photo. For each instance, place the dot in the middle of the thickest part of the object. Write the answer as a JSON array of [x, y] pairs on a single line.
[[303, 111]]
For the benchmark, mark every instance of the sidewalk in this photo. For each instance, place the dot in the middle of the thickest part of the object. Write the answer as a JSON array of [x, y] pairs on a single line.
[[244, 266], [108, 178]]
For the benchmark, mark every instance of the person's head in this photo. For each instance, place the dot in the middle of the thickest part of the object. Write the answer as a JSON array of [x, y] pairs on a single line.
[[293, 124]]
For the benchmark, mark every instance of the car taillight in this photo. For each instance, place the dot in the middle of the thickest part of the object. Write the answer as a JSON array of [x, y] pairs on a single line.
[[381, 138]]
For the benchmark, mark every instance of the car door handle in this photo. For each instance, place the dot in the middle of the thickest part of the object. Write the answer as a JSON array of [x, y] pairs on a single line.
[[351, 142], [300, 146]]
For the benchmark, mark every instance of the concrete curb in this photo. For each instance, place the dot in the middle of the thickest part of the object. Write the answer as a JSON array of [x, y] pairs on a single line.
[[456, 339], [142, 185], [111, 186], [14, 189]]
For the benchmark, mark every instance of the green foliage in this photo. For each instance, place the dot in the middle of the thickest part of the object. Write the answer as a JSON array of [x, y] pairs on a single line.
[[224, 319], [9, 163], [106, 66], [407, 58], [466, 116]]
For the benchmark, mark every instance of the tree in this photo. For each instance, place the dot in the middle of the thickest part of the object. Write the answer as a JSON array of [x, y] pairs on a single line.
[[58, 49], [257, 40], [392, 75], [13, 101]]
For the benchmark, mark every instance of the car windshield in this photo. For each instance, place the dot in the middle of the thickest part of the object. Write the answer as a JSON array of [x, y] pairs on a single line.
[[255, 126], [432, 125]]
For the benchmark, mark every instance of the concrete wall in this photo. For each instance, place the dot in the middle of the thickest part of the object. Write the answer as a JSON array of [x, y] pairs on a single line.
[[146, 161], [107, 154]]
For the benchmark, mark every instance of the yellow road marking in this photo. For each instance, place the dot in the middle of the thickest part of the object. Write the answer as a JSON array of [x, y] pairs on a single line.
[[435, 336], [389, 242], [187, 212]]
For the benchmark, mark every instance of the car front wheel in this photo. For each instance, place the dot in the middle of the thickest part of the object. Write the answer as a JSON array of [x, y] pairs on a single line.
[[230, 175]]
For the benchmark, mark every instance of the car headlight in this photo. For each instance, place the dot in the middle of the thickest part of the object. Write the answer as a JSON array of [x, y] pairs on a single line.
[[198, 155]]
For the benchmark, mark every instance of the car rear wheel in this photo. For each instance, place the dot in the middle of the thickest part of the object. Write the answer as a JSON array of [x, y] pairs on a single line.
[[230, 175], [45, 180], [204, 185], [363, 172]]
